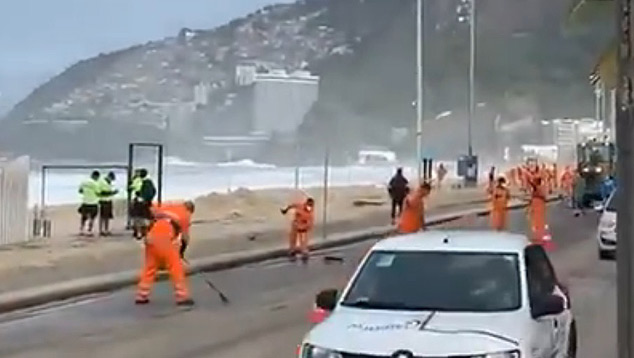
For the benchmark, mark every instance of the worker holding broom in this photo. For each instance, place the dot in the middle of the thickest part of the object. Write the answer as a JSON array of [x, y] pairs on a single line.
[[165, 244]]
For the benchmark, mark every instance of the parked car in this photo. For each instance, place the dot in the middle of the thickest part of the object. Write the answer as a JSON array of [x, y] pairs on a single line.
[[606, 230]]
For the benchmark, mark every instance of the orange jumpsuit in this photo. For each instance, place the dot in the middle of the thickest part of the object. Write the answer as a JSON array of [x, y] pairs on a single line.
[[523, 176], [538, 209], [413, 216], [512, 176], [162, 248], [567, 180], [301, 228], [500, 197]]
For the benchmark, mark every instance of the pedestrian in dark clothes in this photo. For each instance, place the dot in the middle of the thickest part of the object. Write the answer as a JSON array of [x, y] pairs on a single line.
[[398, 188]]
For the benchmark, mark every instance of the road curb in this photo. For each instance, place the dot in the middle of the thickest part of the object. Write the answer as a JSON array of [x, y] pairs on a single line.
[[17, 300]]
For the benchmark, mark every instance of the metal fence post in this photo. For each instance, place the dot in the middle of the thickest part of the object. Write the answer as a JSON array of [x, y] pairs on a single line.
[[325, 191]]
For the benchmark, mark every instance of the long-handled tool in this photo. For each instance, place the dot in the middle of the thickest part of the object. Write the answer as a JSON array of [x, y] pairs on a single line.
[[222, 296]]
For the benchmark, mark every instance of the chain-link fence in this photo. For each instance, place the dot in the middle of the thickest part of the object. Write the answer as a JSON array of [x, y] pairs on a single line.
[[14, 201]]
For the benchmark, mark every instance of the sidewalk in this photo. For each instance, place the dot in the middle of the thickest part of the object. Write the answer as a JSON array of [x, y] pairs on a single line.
[[250, 221]]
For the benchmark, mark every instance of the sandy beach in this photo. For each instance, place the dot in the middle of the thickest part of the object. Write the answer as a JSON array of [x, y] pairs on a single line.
[[223, 223]]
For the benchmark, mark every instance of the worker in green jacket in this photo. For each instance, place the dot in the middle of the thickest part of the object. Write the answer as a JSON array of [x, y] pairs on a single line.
[[107, 193], [143, 192], [89, 191]]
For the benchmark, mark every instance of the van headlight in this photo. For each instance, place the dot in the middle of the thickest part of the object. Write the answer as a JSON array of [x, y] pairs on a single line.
[[510, 354], [310, 351]]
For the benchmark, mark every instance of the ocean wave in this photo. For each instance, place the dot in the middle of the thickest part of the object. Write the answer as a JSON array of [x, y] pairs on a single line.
[[177, 161], [246, 163]]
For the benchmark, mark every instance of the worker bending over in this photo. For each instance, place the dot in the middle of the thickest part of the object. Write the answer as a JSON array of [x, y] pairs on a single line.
[[301, 228], [413, 216], [165, 244], [500, 196]]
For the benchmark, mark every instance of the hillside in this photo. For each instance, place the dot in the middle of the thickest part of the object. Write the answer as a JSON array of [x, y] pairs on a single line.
[[364, 50]]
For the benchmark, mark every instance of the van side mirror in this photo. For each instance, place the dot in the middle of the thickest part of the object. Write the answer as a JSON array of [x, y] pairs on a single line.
[[548, 306], [327, 300]]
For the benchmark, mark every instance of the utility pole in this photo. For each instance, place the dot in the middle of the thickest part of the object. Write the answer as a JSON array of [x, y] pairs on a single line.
[[625, 178], [472, 58], [420, 13]]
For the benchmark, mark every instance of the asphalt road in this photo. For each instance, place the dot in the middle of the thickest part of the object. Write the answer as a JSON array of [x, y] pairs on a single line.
[[270, 303]]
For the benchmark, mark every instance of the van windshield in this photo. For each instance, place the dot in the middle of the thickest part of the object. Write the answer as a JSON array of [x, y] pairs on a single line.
[[437, 281]]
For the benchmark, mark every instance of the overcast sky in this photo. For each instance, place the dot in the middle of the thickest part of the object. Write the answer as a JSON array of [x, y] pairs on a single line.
[[39, 38]]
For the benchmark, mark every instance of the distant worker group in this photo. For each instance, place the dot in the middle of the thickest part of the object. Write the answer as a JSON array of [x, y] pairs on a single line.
[[97, 201], [97, 194]]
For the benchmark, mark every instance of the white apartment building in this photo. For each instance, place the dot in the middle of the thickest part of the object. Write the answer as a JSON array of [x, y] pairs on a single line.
[[281, 100]]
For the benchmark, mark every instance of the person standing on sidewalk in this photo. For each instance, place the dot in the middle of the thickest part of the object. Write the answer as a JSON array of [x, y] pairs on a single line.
[[89, 191], [441, 173], [144, 194], [106, 195], [398, 188]]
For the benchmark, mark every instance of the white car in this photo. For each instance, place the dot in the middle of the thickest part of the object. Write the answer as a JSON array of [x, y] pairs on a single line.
[[606, 231], [447, 294]]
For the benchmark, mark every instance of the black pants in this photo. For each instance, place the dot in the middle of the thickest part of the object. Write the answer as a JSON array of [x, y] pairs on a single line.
[[397, 203]]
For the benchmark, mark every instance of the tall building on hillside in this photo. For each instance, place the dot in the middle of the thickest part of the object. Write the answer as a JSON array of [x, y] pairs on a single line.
[[281, 100]]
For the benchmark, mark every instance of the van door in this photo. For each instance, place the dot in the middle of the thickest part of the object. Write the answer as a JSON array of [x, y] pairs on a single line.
[[542, 282]]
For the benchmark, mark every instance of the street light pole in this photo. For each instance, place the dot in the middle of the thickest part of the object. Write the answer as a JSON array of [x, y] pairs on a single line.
[[472, 53], [625, 178], [419, 86]]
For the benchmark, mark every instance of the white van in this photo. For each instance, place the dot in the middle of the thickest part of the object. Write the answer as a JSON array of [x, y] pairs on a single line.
[[447, 294]]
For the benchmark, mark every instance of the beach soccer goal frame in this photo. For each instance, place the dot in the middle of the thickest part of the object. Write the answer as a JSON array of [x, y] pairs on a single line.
[[160, 152]]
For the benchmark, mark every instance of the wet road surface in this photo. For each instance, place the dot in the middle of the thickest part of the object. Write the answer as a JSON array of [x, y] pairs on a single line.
[[270, 302]]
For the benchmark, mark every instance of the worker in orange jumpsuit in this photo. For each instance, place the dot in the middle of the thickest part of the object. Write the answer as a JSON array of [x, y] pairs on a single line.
[[500, 196], [512, 175], [165, 243], [413, 216], [566, 181], [538, 193], [301, 228], [523, 177]]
